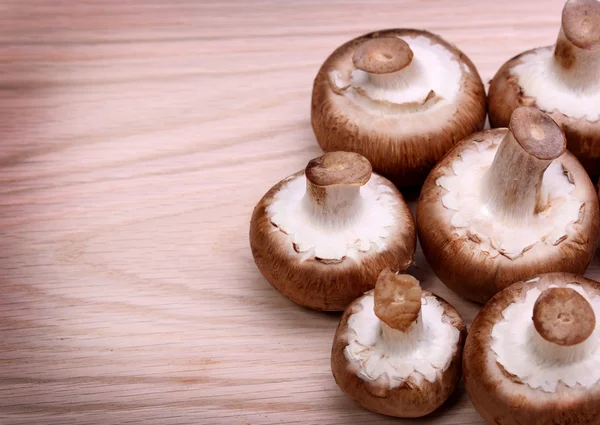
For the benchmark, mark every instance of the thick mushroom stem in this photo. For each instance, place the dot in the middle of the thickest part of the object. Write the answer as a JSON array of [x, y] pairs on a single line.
[[333, 183], [577, 50], [398, 305], [564, 321], [386, 61], [511, 188]]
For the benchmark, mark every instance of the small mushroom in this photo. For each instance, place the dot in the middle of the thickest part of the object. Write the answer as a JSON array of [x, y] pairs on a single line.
[[322, 235], [507, 204], [531, 356], [399, 97], [398, 349], [561, 80]]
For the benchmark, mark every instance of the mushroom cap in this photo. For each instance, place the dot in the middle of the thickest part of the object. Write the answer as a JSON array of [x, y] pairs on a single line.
[[414, 398], [402, 146], [506, 94], [324, 284], [472, 273], [500, 397]]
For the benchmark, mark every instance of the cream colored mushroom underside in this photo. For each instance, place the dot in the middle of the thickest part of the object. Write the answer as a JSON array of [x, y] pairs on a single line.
[[540, 78], [522, 352], [473, 219], [422, 355], [312, 237], [433, 67]]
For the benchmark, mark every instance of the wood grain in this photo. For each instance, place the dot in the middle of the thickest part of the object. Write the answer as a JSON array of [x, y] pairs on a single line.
[[135, 139]]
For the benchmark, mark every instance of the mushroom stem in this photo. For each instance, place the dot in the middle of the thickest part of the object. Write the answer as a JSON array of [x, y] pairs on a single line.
[[577, 49], [511, 188], [395, 80], [402, 339], [397, 301], [563, 323], [333, 204], [575, 66], [333, 183], [388, 62]]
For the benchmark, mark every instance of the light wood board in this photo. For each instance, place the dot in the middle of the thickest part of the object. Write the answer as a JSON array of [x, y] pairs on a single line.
[[135, 139]]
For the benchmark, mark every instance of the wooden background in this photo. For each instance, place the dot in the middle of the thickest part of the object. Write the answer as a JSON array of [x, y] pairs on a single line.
[[135, 139]]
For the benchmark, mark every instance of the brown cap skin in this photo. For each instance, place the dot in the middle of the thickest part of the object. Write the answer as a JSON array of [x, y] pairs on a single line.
[[471, 272], [501, 398], [340, 124], [411, 399], [326, 285]]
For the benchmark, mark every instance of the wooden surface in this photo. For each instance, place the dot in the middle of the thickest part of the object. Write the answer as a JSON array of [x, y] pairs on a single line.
[[135, 139]]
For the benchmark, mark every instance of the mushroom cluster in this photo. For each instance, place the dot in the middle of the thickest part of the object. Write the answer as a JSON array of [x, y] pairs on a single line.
[[401, 98], [497, 207], [561, 80]]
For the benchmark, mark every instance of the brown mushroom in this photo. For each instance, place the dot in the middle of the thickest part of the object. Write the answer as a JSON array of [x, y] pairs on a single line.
[[322, 235], [505, 205], [397, 349], [531, 356], [561, 80], [399, 97]]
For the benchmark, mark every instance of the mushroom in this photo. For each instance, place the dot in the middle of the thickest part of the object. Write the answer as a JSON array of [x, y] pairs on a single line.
[[531, 356], [401, 98], [321, 236], [398, 349], [507, 204], [561, 80]]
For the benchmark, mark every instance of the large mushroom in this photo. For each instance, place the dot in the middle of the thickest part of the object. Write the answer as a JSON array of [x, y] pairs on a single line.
[[401, 98], [507, 204], [531, 356], [562, 80], [398, 349], [322, 235]]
